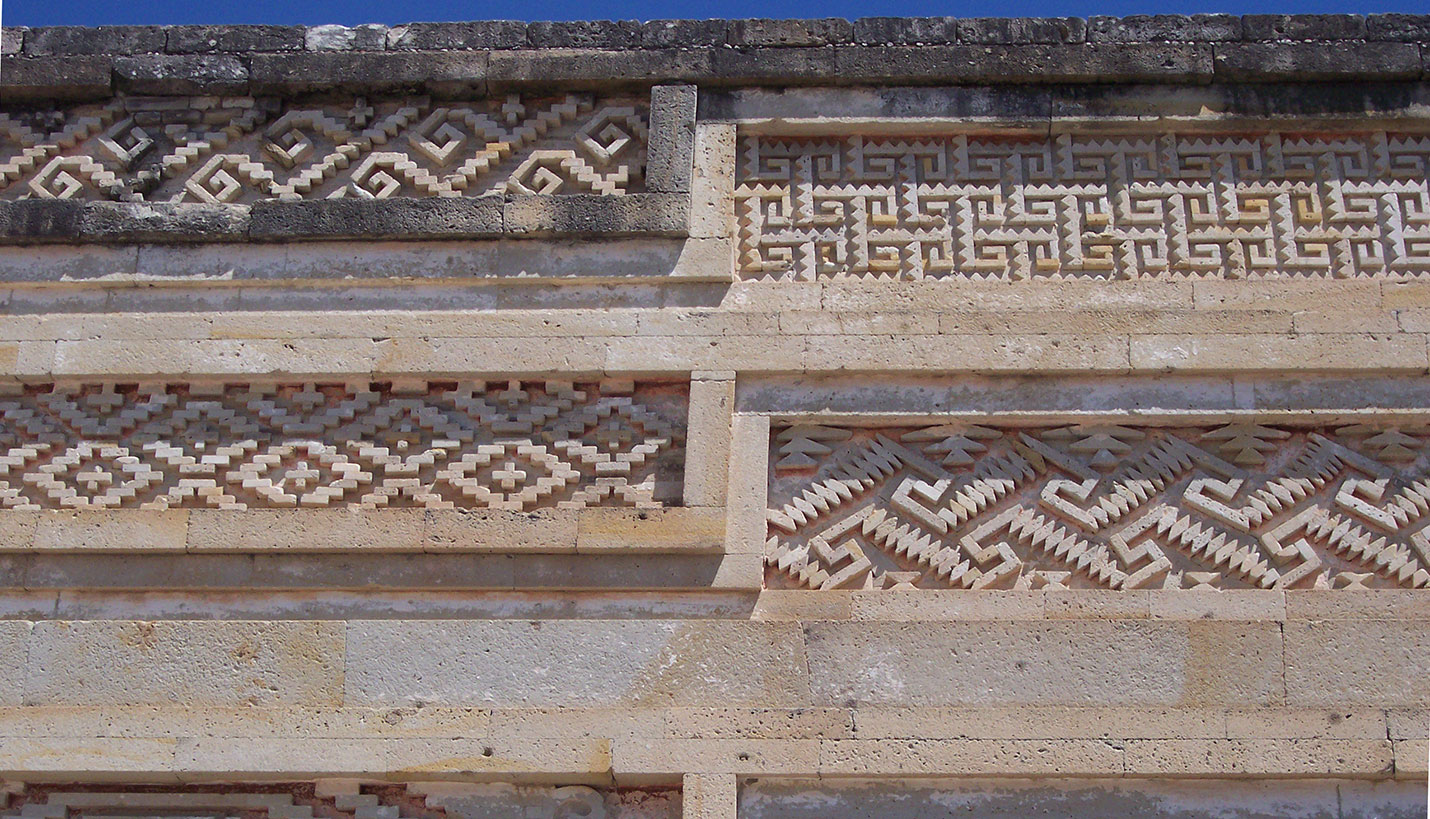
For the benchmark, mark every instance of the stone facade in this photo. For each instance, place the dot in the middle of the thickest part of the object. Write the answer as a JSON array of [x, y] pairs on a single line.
[[716, 419]]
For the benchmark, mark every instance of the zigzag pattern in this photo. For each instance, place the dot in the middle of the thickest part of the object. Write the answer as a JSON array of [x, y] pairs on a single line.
[[1130, 206], [466, 444], [242, 150], [1100, 505]]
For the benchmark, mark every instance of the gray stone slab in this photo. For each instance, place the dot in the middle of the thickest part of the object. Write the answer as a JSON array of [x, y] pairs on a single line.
[[671, 146], [52, 40], [1051, 663], [50, 79], [454, 72], [1303, 26], [587, 214], [683, 33], [32, 220], [1403, 27], [1152, 28], [574, 663], [181, 74], [1023, 30], [378, 218], [782, 33], [194, 663], [206, 39], [1005, 102], [906, 30], [162, 222], [1040, 63], [480, 35], [367, 37], [595, 34], [559, 70], [12, 40], [1317, 61]]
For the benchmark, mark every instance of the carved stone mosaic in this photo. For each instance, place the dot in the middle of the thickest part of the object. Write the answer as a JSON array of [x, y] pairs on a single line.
[[234, 150], [1242, 505], [337, 800], [1126, 206], [509, 445]]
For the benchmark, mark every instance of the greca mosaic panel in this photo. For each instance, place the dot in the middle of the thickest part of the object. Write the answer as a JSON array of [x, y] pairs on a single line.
[[1128, 206], [511, 445], [1242, 505], [232, 150]]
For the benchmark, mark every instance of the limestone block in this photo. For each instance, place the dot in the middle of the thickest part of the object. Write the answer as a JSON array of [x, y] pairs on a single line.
[[126, 530], [1037, 722], [1259, 757], [307, 530], [935, 605], [1063, 757], [799, 604], [14, 648], [682, 530], [1348, 722], [516, 725], [490, 530], [669, 756], [87, 757], [1048, 663], [1228, 604], [1365, 604], [712, 183], [708, 441], [505, 663], [709, 796], [1389, 352], [1366, 662], [746, 493], [759, 723], [108, 662]]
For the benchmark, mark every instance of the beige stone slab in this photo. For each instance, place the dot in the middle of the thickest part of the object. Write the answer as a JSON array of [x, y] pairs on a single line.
[[1096, 604], [1259, 757], [113, 530], [940, 605], [29, 359], [477, 757], [1229, 604], [77, 326], [518, 724], [1349, 721], [709, 431], [195, 662], [969, 757], [1360, 662], [1286, 294], [799, 604], [1037, 722], [215, 357], [709, 796], [1037, 294], [712, 182], [307, 530], [181, 720], [14, 648], [670, 756], [764, 296], [667, 354], [1116, 321], [674, 529], [679, 321], [1333, 319], [529, 664], [17, 529], [574, 356], [1412, 758], [822, 323], [1394, 295], [1357, 604], [89, 757], [1079, 662], [759, 723], [1408, 723], [1387, 352], [518, 323], [490, 530], [748, 487], [740, 572], [968, 353]]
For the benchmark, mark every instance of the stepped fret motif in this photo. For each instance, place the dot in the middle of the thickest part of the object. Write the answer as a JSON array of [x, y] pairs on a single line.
[[1099, 506], [1131, 206], [241, 150], [472, 444]]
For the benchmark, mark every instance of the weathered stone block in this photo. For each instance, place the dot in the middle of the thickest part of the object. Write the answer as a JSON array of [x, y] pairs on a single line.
[[445, 36], [1151, 28], [181, 74], [204, 39], [598, 34], [781, 33], [66, 40], [398, 218]]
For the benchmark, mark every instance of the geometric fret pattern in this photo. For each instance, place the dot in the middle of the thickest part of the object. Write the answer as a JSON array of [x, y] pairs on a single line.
[[1111, 206], [1100, 505], [236, 150], [334, 799], [511, 445]]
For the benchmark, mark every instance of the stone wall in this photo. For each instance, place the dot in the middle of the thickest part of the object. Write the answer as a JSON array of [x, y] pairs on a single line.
[[716, 418]]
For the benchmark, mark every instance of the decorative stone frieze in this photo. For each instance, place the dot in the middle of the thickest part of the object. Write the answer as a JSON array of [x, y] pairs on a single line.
[[1103, 505], [1145, 205], [241, 149], [512, 445]]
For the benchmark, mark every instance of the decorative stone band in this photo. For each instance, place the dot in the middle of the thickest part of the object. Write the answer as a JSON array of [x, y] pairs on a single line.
[[1100, 505], [505, 445], [241, 149], [339, 800], [1103, 205]]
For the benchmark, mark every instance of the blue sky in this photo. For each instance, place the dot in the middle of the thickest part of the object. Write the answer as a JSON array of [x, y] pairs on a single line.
[[352, 12]]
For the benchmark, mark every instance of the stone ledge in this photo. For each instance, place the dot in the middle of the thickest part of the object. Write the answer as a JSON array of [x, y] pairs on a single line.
[[494, 56], [33, 221]]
